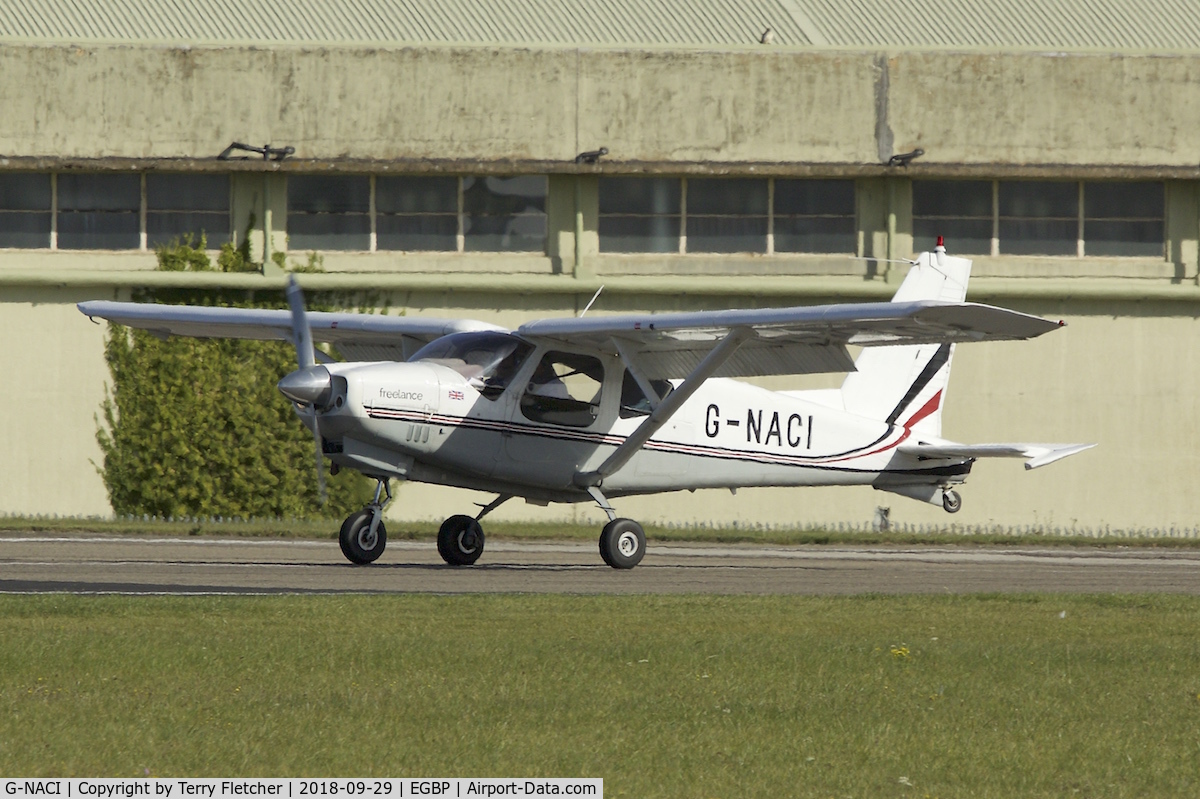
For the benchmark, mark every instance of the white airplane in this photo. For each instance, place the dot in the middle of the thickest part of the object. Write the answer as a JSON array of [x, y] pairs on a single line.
[[590, 409]]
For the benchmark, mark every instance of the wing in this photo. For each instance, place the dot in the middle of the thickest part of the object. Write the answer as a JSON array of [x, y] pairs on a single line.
[[358, 337], [801, 340], [1038, 454]]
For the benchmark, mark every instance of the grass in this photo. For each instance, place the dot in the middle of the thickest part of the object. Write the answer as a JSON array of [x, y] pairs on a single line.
[[661, 696], [497, 530]]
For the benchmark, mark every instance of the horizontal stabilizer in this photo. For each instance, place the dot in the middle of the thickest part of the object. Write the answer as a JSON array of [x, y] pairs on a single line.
[[1038, 454]]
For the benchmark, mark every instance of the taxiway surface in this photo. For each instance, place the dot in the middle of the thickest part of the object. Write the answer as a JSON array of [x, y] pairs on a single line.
[[141, 565]]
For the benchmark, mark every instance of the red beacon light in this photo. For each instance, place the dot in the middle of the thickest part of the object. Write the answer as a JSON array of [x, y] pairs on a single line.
[[941, 245]]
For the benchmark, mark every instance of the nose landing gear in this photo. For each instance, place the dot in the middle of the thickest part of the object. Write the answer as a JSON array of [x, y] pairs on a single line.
[[363, 536]]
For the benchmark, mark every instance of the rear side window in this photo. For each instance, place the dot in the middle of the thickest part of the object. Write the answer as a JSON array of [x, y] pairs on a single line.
[[634, 401]]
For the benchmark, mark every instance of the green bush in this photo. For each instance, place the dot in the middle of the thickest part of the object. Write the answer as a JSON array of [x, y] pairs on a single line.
[[196, 427], [187, 255]]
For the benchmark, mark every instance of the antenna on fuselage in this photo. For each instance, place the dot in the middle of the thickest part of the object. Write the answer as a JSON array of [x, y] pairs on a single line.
[[588, 307]]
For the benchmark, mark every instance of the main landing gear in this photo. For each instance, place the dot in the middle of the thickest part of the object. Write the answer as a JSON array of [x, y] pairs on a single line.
[[460, 538], [622, 541]]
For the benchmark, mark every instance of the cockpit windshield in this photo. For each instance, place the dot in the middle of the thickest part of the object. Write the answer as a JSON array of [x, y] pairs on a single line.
[[488, 360]]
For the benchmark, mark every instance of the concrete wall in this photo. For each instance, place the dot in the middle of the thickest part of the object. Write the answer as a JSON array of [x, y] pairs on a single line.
[[52, 392], [1045, 108], [658, 107]]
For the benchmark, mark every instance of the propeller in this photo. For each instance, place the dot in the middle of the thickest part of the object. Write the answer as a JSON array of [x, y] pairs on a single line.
[[310, 384]]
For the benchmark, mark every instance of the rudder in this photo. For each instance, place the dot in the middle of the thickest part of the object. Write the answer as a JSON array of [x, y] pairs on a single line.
[[906, 385]]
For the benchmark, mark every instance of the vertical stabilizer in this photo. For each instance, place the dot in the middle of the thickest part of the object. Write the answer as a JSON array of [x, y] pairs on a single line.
[[906, 385]]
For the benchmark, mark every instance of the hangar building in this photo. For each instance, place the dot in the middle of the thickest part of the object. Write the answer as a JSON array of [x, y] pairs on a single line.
[[502, 159]]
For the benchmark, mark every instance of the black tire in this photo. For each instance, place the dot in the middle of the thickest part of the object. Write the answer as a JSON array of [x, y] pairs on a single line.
[[604, 550], [622, 543], [357, 544], [460, 540], [951, 501]]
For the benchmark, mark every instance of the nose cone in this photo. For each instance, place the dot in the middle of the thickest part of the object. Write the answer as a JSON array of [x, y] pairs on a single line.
[[311, 386]]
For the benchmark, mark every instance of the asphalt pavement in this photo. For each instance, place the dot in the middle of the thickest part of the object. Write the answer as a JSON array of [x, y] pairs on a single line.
[[82, 563]]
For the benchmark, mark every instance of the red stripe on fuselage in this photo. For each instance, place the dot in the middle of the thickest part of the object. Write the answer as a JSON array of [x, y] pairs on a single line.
[[926, 410]]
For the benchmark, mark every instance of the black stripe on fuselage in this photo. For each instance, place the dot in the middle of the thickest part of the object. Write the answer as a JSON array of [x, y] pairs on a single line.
[[939, 359], [815, 462]]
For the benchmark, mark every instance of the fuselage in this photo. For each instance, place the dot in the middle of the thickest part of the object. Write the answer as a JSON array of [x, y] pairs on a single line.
[[426, 421]]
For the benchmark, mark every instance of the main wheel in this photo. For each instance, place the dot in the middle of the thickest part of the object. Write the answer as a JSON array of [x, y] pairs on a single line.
[[951, 501], [460, 540], [358, 543], [622, 543]]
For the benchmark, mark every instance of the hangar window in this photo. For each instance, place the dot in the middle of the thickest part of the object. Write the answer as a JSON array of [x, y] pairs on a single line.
[[329, 212], [813, 216], [504, 214], [25, 209], [960, 210], [1039, 217], [99, 211], [980, 217], [639, 214], [416, 213], [178, 206], [726, 215], [1123, 219]]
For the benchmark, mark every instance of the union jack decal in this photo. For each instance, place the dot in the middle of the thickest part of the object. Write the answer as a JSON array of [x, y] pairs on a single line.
[[455, 394]]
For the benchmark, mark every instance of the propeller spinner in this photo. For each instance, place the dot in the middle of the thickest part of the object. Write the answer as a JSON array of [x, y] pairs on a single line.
[[311, 386]]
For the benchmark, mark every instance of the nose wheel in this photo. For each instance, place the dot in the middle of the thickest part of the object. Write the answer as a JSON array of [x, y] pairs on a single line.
[[363, 536], [951, 501]]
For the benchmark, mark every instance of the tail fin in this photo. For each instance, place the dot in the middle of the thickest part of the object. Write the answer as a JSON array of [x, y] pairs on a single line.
[[907, 384]]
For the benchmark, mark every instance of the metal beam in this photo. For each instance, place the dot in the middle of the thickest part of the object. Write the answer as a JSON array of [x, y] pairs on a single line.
[[612, 166]]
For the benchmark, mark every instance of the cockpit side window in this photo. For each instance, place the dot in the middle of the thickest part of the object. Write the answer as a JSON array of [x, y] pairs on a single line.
[[489, 361], [634, 401], [565, 389]]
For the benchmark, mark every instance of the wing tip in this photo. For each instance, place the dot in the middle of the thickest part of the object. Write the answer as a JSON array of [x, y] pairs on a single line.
[[1055, 454]]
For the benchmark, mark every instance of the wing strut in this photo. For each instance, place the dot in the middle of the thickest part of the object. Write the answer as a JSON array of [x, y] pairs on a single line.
[[666, 409]]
